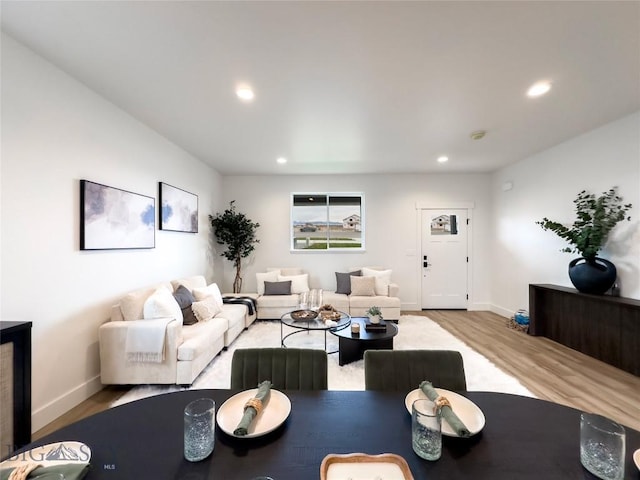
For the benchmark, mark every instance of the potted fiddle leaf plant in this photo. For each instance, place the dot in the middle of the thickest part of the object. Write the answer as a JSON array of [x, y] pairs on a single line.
[[595, 218], [238, 233]]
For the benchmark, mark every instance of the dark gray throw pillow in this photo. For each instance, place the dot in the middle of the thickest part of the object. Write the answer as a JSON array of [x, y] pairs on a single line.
[[185, 298], [343, 281], [277, 288]]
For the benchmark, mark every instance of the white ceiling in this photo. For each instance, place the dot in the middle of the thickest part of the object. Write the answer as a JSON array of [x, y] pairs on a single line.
[[348, 87]]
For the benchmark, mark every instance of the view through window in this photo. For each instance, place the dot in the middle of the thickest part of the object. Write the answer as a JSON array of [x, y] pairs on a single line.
[[327, 221]]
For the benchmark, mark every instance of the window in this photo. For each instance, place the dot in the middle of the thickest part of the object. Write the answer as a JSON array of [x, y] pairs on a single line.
[[327, 221]]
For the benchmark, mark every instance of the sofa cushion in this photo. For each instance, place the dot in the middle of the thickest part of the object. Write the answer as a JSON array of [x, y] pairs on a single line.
[[299, 283], [209, 291], [184, 298], [339, 301], [206, 309], [277, 288], [162, 304], [343, 281], [132, 304], [363, 286], [197, 281], [199, 337], [270, 301], [382, 279], [233, 314], [286, 270], [265, 277], [381, 301]]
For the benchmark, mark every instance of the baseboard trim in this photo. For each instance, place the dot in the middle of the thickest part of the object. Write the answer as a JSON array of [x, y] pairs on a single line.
[[503, 312], [479, 307], [409, 306], [59, 406], [413, 307]]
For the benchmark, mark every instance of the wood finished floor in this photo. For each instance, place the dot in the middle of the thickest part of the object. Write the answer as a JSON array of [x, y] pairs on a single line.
[[549, 370]]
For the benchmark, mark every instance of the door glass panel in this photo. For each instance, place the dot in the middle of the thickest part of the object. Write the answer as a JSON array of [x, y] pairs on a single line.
[[444, 225]]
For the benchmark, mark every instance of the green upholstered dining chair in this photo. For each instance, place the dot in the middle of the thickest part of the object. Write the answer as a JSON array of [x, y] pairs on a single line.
[[287, 368], [404, 370]]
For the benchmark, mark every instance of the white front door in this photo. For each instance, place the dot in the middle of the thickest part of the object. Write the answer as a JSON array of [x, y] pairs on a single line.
[[444, 260]]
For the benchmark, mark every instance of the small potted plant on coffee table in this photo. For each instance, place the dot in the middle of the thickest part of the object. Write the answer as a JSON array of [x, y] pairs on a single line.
[[374, 314]]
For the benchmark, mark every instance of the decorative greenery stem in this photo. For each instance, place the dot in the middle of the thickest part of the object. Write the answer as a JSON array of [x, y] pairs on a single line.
[[596, 217]]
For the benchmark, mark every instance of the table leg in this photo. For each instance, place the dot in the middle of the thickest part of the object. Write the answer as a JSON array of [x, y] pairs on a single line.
[[351, 350]]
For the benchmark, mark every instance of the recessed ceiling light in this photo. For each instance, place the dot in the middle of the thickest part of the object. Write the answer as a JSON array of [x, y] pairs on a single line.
[[443, 159], [281, 160], [245, 93], [539, 88]]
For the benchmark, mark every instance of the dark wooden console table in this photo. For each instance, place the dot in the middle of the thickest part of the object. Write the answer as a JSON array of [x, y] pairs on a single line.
[[601, 326], [15, 384]]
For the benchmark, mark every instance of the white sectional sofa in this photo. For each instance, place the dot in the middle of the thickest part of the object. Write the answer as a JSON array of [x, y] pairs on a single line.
[[379, 291], [187, 348]]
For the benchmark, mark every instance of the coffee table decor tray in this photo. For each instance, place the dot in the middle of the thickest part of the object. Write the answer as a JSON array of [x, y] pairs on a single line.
[[304, 314]]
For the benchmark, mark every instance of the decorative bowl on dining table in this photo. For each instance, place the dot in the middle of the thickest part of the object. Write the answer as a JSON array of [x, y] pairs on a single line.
[[360, 465]]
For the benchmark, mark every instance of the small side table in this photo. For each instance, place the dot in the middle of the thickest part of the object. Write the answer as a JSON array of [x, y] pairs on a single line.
[[15, 383], [352, 347]]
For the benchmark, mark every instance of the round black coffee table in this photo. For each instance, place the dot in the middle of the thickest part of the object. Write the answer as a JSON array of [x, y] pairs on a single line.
[[351, 347]]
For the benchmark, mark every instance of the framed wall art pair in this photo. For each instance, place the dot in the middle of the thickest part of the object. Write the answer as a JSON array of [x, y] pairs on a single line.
[[112, 218]]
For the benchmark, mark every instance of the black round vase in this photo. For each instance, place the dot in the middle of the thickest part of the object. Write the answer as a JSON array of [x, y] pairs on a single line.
[[595, 276]]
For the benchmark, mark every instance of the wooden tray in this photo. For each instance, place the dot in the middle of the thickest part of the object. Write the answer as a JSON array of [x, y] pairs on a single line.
[[304, 314], [386, 466]]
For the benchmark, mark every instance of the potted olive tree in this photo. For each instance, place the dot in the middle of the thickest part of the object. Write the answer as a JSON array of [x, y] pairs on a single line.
[[596, 217], [238, 233]]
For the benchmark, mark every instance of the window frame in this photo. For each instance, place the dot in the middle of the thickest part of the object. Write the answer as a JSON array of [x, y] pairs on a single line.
[[327, 203]]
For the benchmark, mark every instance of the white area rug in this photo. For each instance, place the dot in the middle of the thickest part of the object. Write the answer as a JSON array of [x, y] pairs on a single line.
[[415, 332]]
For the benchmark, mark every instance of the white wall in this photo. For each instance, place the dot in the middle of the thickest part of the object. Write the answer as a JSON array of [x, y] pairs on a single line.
[[545, 185], [392, 234], [55, 132]]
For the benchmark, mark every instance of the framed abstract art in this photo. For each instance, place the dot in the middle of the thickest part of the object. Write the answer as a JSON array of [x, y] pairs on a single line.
[[178, 209], [111, 218]]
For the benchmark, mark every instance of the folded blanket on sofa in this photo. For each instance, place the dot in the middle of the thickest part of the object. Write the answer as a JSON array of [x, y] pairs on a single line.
[[146, 340], [251, 303]]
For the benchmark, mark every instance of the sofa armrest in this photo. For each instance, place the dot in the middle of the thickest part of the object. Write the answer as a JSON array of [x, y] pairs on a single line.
[[113, 335], [394, 290], [114, 367]]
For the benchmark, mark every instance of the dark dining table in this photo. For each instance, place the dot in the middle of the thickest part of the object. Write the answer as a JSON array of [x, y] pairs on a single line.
[[523, 438]]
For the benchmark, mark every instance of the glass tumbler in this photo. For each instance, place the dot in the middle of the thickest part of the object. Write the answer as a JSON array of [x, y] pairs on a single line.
[[304, 300], [199, 429], [426, 433], [602, 446]]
